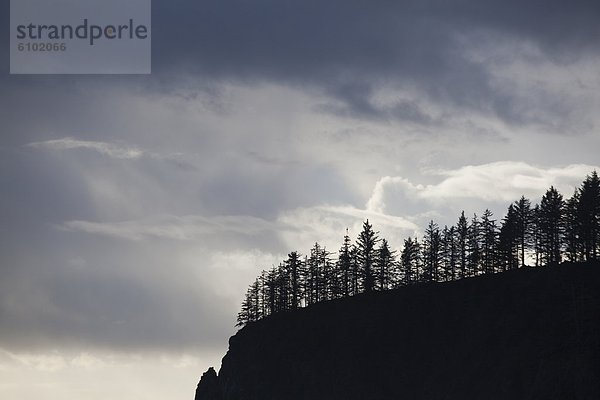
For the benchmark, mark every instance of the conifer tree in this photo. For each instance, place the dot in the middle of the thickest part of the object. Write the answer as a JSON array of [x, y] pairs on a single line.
[[474, 246], [536, 235], [431, 252], [524, 216], [462, 232], [386, 267], [508, 245], [366, 242], [489, 242], [328, 281], [283, 289], [572, 229], [550, 220], [355, 278], [444, 255], [589, 216], [271, 290], [243, 316], [452, 252], [409, 261], [250, 311], [294, 270], [264, 306], [345, 266], [314, 279]]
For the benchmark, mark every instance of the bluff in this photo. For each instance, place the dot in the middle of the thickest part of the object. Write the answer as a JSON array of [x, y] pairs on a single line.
[[531, 333]]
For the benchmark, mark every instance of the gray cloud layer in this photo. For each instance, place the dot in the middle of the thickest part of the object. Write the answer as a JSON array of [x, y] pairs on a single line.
[[352, 48]]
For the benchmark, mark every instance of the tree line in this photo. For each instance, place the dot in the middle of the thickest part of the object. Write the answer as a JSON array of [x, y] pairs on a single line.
[[543, 234]]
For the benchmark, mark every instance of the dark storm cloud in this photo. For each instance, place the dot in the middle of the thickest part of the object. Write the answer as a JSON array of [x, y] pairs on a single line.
[[313, 38], [355, 103], [349, 48]]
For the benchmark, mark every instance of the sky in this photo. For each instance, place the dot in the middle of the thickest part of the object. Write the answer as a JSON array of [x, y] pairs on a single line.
[[135, 210]]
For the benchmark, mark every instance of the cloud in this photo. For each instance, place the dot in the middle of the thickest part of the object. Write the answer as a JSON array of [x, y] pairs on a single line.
[[505, 181], [472, 188], [72, 375], [171, 227], [49, 362], [327, 225], [107, 149], [126, 297], [471, 57], [233, 270], [351, 51]]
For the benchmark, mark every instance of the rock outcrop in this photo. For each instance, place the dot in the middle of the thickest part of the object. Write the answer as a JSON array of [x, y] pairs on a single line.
[[208, 387], [533, 333]]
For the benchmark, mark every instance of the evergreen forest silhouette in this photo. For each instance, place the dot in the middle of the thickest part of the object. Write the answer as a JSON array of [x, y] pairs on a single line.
[[543, 234]]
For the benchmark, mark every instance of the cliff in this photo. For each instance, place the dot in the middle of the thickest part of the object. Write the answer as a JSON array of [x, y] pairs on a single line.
[[525, 334]]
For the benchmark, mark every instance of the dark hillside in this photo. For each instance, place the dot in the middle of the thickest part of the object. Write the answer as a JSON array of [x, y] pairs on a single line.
[[524, 334]]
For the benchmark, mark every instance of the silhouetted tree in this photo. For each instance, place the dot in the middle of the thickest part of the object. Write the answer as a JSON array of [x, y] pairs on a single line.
[[489, 245], [536, 234], [474, 246], [345, 266], [328, 276], [355, 268], [550, 226], [431, 252], [524, 217], [294, 270], [572, 229], [589, 216], [315, 282], [243, 316], [271, 283], [366, 242], [264, 306], [250, 306], [508, 246], [283, 289], [451, 252], [409, 261], [385, 263], [255, 310], [462, 234]]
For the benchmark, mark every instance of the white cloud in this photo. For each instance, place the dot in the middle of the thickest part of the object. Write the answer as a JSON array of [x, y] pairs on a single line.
[[505, 181], [401, 187], [107, 149], [498, 182]]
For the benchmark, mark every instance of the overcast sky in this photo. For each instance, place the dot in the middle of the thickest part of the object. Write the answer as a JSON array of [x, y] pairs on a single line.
[[136, 209]]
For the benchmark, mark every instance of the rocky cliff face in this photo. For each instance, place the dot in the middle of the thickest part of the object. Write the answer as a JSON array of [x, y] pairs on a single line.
[[526, 334]]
